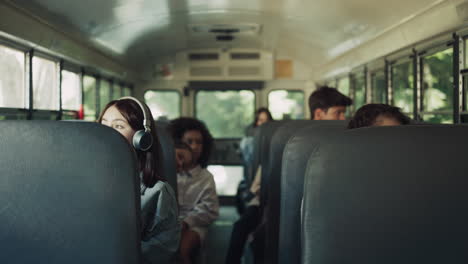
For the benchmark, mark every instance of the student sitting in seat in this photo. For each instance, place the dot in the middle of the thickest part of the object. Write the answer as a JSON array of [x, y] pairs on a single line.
[[198, 201], [378, 115], [328, 103], [184, 157], [160, 226]]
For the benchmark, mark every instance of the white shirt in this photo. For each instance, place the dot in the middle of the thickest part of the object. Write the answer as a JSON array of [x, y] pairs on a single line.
[[198, 201]]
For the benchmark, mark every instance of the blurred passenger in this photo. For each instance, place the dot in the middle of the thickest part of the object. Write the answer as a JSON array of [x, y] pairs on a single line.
[[198, 201], [184, 157], [160, 225], [378, 115], [262, 116], [246, 225], [328, 103]]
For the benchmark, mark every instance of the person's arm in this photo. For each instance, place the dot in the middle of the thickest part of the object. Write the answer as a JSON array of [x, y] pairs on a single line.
[[206, 211], [255, 188], [161, 240]]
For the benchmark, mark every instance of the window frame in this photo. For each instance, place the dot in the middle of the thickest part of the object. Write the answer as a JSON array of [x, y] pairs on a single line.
[[195, 103], [58, 73], [397, 62], [80, 77], [179, 93], [293, 90], [432, 50], [27, 90], [372, 74], [62, 63]]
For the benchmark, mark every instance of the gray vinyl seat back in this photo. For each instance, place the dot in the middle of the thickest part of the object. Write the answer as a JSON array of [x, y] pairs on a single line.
[[388, 195], [69, 192], [167, 161], [273, 175], [294, 162], [266, 132]]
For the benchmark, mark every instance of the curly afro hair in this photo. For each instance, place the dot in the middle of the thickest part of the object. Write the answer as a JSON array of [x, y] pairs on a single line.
[[179, 126], [367, 115]]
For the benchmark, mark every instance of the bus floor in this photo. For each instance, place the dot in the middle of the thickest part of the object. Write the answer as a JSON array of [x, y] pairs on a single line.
[[219, 234]]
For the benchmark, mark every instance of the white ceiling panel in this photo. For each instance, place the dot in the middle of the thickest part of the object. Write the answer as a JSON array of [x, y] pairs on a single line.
[[141, 31]]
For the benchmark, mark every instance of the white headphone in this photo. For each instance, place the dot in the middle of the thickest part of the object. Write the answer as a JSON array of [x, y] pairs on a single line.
[[142, 140]]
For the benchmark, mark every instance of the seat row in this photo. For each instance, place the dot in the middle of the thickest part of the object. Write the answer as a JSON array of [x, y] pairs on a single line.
[[369, 195]]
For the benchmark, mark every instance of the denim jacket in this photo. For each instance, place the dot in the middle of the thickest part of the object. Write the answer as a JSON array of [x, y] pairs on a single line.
[[160, 225]]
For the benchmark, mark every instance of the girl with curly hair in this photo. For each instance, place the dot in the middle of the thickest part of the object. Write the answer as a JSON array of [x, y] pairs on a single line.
[[198, 201]]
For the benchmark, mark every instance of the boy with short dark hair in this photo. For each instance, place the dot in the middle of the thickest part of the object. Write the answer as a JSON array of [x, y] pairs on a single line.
[[327, 103]]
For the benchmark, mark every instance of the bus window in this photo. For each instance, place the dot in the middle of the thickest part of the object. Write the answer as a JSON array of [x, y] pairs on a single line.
[[12, 88], [343, 86], [359, 91], [116, 91], [45, 84], [402, 75], [104, 93], [227, 178], [438, 87], [127, 91], [379, 87], [284, 104], [71, 91], [163, 103], [89, 91], [331, 83], [226, 113], [13, 114]]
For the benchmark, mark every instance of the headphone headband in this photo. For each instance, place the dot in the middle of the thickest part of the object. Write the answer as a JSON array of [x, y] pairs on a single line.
[[146, 121]]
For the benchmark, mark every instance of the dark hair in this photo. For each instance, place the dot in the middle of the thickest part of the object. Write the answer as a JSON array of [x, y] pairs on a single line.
[[134, 116], [259, 111], [367, 115], [179, 126], [326, 97]]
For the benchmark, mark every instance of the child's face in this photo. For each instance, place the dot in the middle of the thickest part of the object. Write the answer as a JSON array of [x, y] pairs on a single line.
[[183, 159], [383, 120], [194, 139]]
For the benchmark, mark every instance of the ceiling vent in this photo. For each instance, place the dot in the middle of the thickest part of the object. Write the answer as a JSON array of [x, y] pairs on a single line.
[[224, 64], [225, 29], [224, 38], [245, 56], [206, 71], [203, 56], [237, 71]]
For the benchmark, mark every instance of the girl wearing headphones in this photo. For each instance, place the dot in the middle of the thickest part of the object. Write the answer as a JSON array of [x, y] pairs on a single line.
[[160, 225]]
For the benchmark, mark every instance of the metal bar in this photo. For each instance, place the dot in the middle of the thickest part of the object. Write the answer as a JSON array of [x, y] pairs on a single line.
[[98, 96], [416, 85], [389, 83], [367, 86], [458, 58], [60, 79], [29, 70], [83, 114], [352, 91]]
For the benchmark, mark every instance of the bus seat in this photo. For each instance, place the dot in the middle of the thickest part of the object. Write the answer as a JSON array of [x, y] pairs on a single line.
[[167, 155], [278, 142], [261, 150], [294, 162], [69, 192], [388, 195], [266, 131]]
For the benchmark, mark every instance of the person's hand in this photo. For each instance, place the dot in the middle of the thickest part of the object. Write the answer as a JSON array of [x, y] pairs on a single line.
[[255, 189], [179, 163]]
